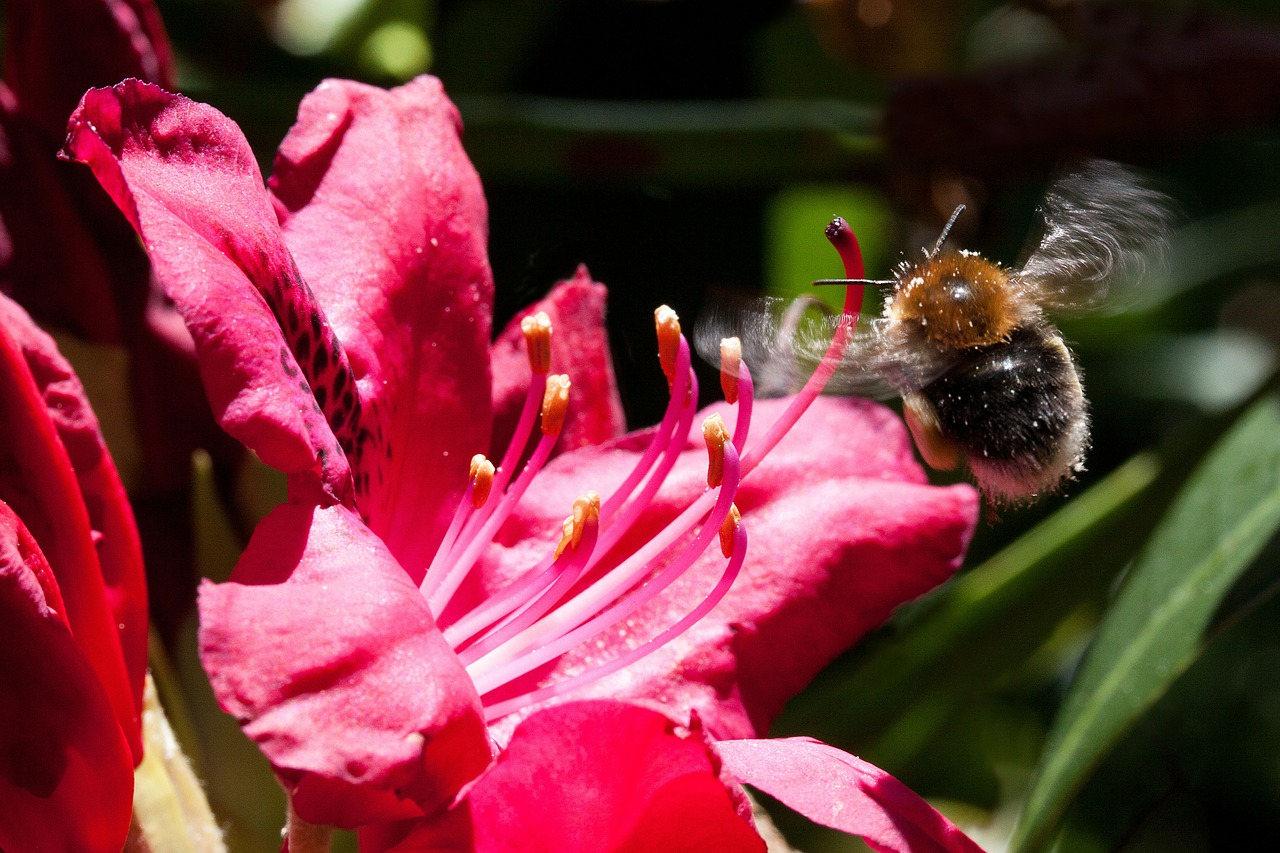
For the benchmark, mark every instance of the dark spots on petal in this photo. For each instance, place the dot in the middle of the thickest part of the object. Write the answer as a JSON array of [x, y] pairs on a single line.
[[319, 361], [322, 397], [287, 363], [301, 347]]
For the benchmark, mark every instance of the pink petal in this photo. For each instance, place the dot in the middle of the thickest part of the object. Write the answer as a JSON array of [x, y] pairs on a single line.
[[326, 653], [48, 425], [114, 532], [579, 348], [845, 793], [387, 219], [843, 528], [56, 49], [185, 177], [597, 777], [66, 772]]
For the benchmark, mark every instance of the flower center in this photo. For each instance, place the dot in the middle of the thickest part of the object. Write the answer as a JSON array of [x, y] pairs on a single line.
[[546, 611]]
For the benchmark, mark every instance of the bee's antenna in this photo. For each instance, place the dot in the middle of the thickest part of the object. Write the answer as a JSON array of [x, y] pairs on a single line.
[[878, 282], [942, 238]]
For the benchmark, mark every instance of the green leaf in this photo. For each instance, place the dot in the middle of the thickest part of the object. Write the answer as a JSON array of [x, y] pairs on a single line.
[[1223, 517], [985, 621]]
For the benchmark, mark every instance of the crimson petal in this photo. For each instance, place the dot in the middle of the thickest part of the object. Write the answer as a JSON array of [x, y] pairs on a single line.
[[325, 651], [596, 777], [387, 220], [183, 174], [48, 426], [845, 793], [66, 772]]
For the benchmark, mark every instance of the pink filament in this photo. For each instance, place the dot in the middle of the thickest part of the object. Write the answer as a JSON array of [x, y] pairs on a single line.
[[678, 403], [520, 438], [471, 516], [842, 237], [570, 567], [499, 606], [560, 688], [671, 445], [551, 642], [438, 595], [746, 400], [460, 516]]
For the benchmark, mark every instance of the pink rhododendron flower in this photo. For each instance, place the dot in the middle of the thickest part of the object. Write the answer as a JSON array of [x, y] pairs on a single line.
[[388, 627], [73, 612]]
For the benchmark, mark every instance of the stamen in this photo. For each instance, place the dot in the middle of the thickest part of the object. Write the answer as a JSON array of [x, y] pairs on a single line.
[[635, 567], [571, 559], [534, 620], [537, 341], [623, 509], [668, 324], [675, 422], [738, 550], [730, 361], [587, 506], [716, 436], [439, 587], [555, 403], [482, 471], [729, 529], [842, 238], [557, 634], [746, 400], [477, 492], [519, 439]]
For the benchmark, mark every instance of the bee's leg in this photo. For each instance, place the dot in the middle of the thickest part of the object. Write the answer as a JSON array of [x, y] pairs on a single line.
[[937, 449]]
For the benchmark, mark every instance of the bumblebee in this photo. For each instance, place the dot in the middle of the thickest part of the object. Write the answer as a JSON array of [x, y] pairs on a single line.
[[968, 344]]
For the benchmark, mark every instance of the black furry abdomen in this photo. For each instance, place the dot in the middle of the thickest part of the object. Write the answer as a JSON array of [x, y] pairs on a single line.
[[1017, 410]]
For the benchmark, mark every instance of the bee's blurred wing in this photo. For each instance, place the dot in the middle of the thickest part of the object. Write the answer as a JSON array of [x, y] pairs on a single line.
[[783, 342], [1102, 226]]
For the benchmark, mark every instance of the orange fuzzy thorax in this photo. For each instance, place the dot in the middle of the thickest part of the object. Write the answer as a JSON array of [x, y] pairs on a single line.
[[960, 299]]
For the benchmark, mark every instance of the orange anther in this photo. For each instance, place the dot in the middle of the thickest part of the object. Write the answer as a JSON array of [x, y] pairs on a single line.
[[668, 324], [728, 528], [716, 435], [537, 341], [730, 364], [555, 402], [481, 479], [585, 508]]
